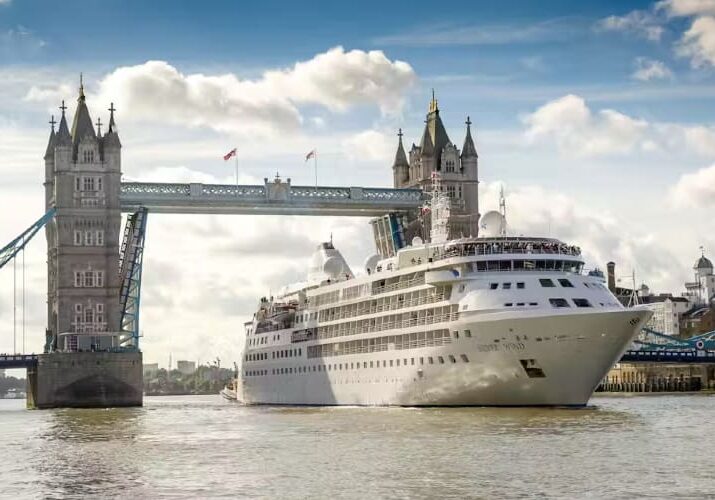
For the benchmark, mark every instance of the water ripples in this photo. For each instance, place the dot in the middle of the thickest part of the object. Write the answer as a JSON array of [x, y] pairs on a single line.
[[203, 447]]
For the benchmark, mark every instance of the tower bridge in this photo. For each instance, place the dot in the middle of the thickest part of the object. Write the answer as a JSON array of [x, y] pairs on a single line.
[[91, 354]]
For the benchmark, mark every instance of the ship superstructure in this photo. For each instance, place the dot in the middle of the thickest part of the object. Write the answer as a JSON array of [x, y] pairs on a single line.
[[494, 320], [456, 320]]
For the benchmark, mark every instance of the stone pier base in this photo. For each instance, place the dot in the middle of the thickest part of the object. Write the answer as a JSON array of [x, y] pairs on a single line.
[[85, 380]]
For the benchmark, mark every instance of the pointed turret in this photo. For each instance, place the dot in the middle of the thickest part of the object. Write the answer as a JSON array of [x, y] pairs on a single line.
[[435, 132], [426, 144], [468, 150], [400, 156], [401, 167], [82, 127], [50, 151], [111, 138], [63, 137]]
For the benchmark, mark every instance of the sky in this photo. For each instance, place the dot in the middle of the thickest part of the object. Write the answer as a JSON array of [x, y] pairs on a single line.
[[596, 117]]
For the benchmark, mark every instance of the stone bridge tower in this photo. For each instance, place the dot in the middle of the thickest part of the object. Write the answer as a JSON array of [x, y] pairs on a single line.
[[458, 171], [82, 182], [83, 364]]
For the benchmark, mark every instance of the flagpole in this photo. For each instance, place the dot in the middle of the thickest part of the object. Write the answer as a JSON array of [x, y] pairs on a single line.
[[235, 156], [315, 164]]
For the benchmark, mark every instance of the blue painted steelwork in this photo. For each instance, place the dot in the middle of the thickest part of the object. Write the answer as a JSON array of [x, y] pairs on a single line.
[[654, 340], [8, 361], [130, 272], [396, 230], [656, 347], [666, 356], [272, 198], [11, 249]]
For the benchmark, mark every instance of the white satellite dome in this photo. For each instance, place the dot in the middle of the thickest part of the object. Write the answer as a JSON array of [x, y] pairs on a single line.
[[333, 266], [327, 263], [371, 263], [492, 224], [417, 241]]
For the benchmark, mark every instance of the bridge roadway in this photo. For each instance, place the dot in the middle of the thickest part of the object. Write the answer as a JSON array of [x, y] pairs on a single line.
[[669, 356], [272, 198], [8, 361]]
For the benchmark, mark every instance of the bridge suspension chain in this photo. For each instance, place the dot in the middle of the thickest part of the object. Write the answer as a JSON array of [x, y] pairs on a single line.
[[9, 252]]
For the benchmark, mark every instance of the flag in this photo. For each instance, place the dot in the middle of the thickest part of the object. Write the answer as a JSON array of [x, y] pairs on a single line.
[[310, 155], [229, 155]]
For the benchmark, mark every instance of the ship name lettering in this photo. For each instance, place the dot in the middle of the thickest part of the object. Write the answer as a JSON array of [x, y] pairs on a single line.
[[513, 346]]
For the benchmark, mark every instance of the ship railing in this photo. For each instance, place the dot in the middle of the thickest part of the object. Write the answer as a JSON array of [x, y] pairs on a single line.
[[399, 285], [486, 248], [393, 306], [386, 325]]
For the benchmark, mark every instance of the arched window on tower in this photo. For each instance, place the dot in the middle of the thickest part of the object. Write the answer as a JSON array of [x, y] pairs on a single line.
[[87, 156]]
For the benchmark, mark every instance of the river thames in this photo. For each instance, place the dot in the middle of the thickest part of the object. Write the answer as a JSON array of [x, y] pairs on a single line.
[[204, 447]]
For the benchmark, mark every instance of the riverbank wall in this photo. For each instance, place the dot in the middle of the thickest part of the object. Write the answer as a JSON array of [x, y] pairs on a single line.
[[658, 377]]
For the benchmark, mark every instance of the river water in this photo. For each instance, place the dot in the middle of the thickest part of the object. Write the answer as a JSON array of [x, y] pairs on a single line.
[[204, 447]]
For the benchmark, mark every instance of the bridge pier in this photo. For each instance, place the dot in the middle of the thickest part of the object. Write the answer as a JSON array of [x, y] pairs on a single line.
[[85, 380]]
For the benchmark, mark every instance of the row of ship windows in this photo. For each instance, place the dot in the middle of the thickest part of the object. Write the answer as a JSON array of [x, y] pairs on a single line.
[[284, 353], [371, 288], [390, 322], [414, 340], [370, 306], [391, 363], [558, 302], [569, 266], [545, 282]]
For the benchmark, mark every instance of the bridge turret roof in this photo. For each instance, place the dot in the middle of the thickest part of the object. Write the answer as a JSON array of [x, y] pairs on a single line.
[[400, 156], [82, 127], [51, 141], [111, 138], [63, 137], [468, 150]]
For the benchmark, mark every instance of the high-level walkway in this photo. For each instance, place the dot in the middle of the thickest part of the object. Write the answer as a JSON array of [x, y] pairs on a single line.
[[272, 198]]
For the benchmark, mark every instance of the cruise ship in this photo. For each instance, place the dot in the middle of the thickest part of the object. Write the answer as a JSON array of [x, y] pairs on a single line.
[[494, 320]]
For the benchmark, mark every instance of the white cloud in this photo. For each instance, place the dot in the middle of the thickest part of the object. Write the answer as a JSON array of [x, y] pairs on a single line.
[[370, 145], [641, 23], [698, 43], [679, 8], [436, 35], [5, 2], [695, 189], [336, 80], [649, 69], [536, 211], [578, 131], [701, 139], [20, 42], [47, 93]]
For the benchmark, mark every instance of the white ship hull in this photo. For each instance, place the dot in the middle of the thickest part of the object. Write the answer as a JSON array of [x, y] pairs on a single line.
[[533, 359]]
